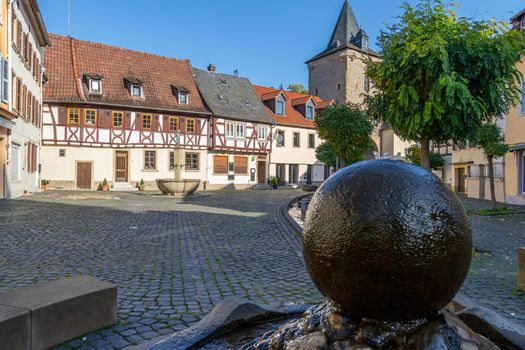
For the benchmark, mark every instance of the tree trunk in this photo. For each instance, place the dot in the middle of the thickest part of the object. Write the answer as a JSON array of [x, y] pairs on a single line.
[[491, 179], [425, 150]]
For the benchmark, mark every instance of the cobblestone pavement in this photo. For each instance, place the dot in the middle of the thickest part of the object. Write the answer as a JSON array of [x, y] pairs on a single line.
[[174, 259]]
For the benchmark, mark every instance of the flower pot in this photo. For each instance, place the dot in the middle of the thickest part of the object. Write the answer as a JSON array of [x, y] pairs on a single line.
[[142, 188], [43, 187], [105, 188]]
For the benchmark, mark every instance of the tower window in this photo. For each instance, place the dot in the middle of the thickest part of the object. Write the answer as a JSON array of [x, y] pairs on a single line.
[[338, 86], [367, 84]]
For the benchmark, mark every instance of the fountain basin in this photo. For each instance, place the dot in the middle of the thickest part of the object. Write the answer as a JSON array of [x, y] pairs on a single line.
[[174, 187]]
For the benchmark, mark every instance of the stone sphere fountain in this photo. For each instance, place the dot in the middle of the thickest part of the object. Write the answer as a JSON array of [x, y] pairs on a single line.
[[389, 246], [177, 186]]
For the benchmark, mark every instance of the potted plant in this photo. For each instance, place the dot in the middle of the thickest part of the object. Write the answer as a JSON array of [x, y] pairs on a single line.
[[141, 185], [275, 182], [105, 186], [43, 184], [99, 188]]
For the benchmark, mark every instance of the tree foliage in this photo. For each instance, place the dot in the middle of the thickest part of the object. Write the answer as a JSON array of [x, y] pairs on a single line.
[[490, 139], [347, 129], [442, 76], [324, 153], [299, 88], [413, 155]]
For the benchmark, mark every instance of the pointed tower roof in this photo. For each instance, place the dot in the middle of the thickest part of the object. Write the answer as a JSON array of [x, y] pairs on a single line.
[[346, 35], [346, 28]]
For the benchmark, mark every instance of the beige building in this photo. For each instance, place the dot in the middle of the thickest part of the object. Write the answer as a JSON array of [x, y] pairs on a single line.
[[338, 73], [515, 138]]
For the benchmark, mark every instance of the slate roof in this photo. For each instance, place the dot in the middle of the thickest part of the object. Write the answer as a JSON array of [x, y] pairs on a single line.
[[293, 117], [231, 97], [346, 35], [69, 61]]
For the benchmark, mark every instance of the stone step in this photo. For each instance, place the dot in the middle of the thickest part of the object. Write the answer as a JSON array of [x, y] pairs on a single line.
[[123, 186], [261, 187], [56, 311]]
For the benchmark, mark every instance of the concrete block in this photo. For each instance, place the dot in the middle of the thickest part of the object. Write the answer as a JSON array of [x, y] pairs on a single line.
[[521, 268], [15, 328], [64, 309]]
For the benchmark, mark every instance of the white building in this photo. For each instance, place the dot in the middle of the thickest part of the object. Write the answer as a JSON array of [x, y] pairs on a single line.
[[28, 37]]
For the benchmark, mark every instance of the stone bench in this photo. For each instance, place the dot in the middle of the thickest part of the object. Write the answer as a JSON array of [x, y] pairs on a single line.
[[39, 316]]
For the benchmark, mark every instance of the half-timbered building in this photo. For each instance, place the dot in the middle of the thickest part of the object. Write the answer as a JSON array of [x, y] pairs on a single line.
[[241, 131], [117, 114], [293, 159]]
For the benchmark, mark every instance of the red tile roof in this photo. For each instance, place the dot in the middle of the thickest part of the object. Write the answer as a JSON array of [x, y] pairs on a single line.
[[67, 60], [293, 117]]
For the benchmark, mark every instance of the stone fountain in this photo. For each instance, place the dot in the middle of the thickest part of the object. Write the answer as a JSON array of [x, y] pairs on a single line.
[[177, 186], [389, 246]]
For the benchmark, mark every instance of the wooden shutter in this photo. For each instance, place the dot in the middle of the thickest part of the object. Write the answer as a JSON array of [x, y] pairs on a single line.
[[182, 125], [5, 80], [220, 164], [127, 120], [198, 125], [155, 122], [240, 165], [62, 115], [108, 119]]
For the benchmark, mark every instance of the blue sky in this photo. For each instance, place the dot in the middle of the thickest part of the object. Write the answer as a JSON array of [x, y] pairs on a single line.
[[268, 41]]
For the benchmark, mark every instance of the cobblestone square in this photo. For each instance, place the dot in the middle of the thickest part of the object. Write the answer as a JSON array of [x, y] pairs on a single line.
[[174, 259]]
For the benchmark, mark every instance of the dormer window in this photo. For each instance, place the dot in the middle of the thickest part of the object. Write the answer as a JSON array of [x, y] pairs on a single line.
[[136, 90], [181, 93], [309, 112], [93, 82], [183, 98]]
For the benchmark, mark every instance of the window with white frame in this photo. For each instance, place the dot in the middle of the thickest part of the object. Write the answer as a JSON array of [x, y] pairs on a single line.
[[239, 131], [183, 97], [95, 86], [262, 132], [230, 130], [14, 167], [4, 79], [150, 160], [136, 90], [279, 107], [279, 138], [309, 112]]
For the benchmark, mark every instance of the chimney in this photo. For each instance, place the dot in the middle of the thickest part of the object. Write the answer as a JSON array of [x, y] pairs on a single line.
[[211, 67]]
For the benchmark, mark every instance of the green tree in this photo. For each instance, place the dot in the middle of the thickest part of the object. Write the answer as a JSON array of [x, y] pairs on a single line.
[[347, 129], [324, 153], [299, 88], [413, 155], [441, 76], [491, 140]]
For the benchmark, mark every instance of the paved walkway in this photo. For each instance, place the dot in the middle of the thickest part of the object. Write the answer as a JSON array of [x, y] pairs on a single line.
[[175, 259]]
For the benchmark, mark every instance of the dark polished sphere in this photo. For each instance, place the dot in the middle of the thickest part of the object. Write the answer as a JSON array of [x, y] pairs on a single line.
[[387, 240]]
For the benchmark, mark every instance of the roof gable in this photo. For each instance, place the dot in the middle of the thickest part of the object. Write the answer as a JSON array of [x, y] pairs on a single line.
[[67, 60]]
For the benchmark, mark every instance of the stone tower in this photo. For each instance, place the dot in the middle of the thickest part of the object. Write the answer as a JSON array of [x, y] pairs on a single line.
[[338, 72]]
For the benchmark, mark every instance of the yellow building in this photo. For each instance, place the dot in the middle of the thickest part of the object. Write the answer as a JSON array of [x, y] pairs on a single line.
[[515, 138], [6, 117]]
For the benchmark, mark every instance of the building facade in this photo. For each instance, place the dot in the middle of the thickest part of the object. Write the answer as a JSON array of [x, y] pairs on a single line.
[[241, 131], [338, 73], [515, 136], [293, 160], [27, 38], [119, 118]]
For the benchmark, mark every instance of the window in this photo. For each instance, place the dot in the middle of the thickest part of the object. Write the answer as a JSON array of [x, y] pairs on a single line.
[[15, 162], [95, 85], [338, 86], [150, 160], [316, 92], [262, 132], [296, 139], [136, 90], [523, 98], [146, 121], [230, 130], [61, 152], [4, 79], [190, 125], [367, 84], [240, 165], [90, 116], [311, 140], [192, 161], [239, 131], [279, 138], [173, 123], [73, 116], [183, 97], [279, 108], [172, 160], [309, 112], [118, 119], [220, 164]]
